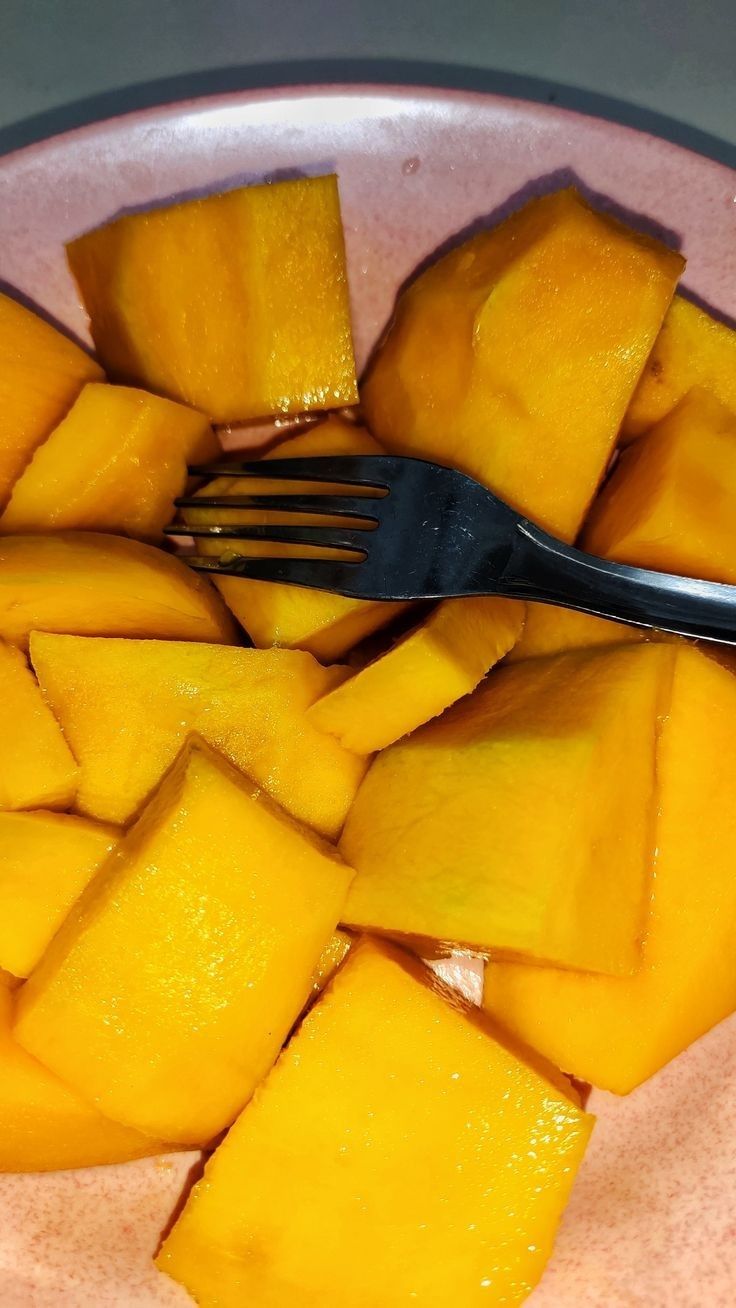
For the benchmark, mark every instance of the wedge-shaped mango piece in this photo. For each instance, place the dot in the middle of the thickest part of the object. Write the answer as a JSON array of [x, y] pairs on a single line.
[[44, 1125], [671, 501], [332, 957], [326, 625], [96, 585], [520, 821], [616, 1032], [46, 860], [515, 356], [398, 1152], [552, 630], [37, 768], [236, 304], [41, 374], [692, 349], [172, 984], [437, 663], [128, 706], [115, 463]]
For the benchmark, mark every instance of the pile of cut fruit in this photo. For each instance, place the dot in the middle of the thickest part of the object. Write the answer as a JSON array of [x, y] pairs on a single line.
[[234, 824]]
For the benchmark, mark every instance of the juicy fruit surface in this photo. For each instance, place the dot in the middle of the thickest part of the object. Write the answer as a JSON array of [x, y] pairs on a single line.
[[272, 614], [168, 991], [95, 585], [552, 630], [514, 357], [437, 663], [127, 708], [236, 304], [41, 375], [114, 463], [671, 501], [617, 1032], [46, 860], [521, 819], [440, 1159], [37, 768]]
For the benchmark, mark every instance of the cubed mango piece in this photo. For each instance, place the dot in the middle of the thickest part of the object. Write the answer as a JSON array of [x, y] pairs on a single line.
[[515, 356], [428, 669], [549, 629], [236, 303], [290, 616], [169, 989], [128, 706], [37, 768], [89, 584], [46, 860], [398, 1153], [616, 1032], [670, 503], [41, 374], [692, 349], [114, 463], [521, 820]]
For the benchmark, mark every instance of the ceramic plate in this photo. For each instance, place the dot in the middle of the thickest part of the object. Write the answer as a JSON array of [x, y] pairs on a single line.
[[651, 1220]]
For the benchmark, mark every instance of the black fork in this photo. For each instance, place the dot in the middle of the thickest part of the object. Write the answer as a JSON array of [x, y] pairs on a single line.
[[416, 530]]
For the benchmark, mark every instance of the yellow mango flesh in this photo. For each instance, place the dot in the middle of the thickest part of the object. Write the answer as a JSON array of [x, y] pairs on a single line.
[[169, 989], [520, 821], [398, 1152], [552, 630], [95, 585], [46, 860], [37, 768], [41, 374], [46, 1126], [332, 957], [236, 304], [437, 663], [115, 463], [692, 349], [515, 356], [670, 503], [272, 614], [616, 1032], [127, 708]]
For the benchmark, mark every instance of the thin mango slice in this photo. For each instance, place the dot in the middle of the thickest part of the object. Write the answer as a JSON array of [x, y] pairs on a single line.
[[37, 768], [552, 630]]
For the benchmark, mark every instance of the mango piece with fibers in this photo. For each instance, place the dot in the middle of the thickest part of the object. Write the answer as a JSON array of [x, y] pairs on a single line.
[[398, 1152], [521, 820], [172, 984], [236, 304], [37, 768], [115, 463], [46, 860], [437, 663], [41, 374], [515, 356], [127, 708], [616, 1032]]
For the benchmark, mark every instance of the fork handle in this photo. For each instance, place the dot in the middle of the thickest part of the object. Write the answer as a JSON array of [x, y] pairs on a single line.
[[544, 569]]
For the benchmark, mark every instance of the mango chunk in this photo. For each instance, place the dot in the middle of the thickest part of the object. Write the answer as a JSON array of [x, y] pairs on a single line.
[[398, 1152], [115, 463], [95, 585], [46, 860], [128, 706], [692, 349], [37, 768], [437, 663], [41, 374], [616, 1032], [501, 826], [552, 630], [326, 625], [515, 356], [671, 501], [46, 1126], [236, 304], [171, 986], [332, 957]]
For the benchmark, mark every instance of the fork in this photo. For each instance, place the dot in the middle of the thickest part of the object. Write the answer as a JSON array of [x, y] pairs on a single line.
[[416, 530]]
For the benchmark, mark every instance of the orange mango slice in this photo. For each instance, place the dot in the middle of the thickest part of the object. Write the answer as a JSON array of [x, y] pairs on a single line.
[[37, 768], [552, 630]]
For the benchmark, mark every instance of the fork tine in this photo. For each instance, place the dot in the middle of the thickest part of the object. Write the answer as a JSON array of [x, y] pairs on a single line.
[[329, 538], [327, 505], [315, 574], [371, 470]]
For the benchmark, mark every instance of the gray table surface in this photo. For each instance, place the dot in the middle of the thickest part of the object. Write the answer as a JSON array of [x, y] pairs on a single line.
[[665, 65]]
